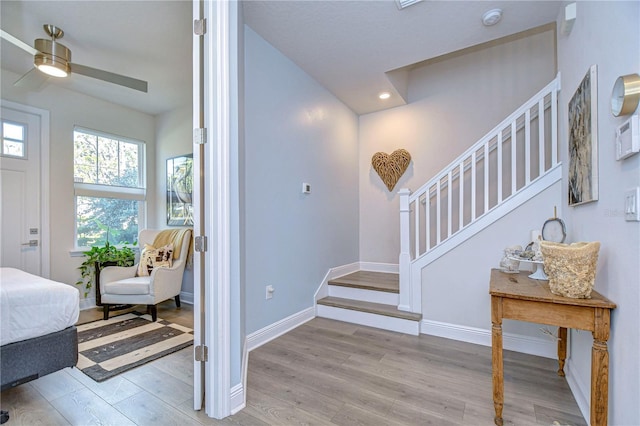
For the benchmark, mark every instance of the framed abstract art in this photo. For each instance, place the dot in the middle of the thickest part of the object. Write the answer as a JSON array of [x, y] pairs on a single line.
[[583, 141]]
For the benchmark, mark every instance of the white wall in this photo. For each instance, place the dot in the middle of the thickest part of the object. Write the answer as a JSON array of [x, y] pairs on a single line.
[[173, 138], [456, 286], [452, 104], [67, 109], [295, 132], [606, 34], [237, 172]]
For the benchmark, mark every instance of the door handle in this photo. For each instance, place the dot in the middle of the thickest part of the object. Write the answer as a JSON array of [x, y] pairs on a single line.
[[31, 243]]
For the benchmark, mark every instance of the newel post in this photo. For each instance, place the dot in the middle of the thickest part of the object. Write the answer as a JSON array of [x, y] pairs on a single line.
[[404, 262]]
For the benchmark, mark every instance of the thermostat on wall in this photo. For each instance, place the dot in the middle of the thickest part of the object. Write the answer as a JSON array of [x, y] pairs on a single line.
[[627, 142]]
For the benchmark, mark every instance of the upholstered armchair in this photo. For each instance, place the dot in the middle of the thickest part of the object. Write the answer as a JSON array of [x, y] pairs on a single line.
[[155, 278]]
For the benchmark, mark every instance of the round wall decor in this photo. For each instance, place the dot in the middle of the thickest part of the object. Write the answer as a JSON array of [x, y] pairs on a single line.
[[625, 95]]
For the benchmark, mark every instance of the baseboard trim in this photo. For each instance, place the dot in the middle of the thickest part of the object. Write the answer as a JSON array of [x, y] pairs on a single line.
[[238, 396], [87, 303], [237, 399], [277, 329], [186, 297], [338, 271], [390, 268], [479, 336], [580, 391]]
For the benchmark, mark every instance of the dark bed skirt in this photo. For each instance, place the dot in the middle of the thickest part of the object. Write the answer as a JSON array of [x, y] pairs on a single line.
[[21, 362]]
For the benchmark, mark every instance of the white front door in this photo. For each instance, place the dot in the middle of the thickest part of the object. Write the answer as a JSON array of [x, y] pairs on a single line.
[[20, 189]]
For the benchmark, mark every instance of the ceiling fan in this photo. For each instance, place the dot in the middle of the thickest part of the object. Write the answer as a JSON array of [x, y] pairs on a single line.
[[54, 59]]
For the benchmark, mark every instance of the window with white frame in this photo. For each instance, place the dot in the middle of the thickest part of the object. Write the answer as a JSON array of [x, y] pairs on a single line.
[[109, 186]]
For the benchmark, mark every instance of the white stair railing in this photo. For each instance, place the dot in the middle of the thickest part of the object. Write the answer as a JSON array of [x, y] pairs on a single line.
[[515, 153]]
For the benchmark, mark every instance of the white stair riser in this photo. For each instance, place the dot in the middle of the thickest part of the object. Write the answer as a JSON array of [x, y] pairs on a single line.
[[364, 295], [371, 320]]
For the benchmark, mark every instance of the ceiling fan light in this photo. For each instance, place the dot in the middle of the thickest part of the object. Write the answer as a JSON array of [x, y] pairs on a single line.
[[52, 70], [52, 58]]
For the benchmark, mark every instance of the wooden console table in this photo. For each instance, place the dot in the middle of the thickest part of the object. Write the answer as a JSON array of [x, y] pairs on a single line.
[[518, 297]]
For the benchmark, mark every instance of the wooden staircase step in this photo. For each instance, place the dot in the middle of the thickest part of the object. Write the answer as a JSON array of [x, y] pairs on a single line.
[[369, 307], [368, 280]]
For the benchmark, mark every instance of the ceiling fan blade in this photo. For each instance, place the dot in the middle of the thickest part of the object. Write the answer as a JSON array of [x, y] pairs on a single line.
[[32, 80], [132, 83], [21, 44]]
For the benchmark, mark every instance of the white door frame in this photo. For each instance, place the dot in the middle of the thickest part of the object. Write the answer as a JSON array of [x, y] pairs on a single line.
[[217, 208], [45, 232], [198, 209]]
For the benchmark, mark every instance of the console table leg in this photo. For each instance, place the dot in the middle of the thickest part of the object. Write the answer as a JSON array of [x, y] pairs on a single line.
[[497, 364], [600, 369], [562, 349]]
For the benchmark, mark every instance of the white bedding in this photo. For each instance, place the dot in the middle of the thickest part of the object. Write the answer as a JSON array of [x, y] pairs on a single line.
[[32, 306]]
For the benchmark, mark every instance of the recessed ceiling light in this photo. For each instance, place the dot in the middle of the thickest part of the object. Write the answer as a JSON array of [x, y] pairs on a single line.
[[492, 17], [384, 95]]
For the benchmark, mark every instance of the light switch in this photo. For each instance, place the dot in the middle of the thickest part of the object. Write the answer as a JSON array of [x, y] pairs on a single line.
[[306, 188], [632, 205]]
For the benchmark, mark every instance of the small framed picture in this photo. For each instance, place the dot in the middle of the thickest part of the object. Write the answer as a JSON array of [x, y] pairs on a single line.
[[180, 190]]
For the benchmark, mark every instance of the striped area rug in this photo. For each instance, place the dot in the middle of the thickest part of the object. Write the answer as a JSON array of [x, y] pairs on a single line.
[[108, 348]]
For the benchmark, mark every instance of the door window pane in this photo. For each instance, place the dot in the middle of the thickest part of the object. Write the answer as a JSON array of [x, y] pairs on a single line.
[[13, 131], [13, 148], [13, 139]]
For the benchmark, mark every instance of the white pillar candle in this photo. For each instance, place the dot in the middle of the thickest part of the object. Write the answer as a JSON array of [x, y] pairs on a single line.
[[535, 235]]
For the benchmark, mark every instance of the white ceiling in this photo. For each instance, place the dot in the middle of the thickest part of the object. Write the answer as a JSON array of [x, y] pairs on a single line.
[[347, 46]]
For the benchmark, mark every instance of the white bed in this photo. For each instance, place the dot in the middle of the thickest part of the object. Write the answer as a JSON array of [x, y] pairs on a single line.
[[32, 306]]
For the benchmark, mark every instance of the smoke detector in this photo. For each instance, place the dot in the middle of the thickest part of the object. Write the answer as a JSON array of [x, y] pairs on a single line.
[[406, 3], [492, 17]]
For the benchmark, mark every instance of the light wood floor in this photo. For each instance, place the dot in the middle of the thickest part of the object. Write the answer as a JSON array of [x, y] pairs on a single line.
[[322, 373]]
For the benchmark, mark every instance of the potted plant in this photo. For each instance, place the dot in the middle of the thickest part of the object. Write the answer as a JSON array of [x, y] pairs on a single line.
[[99, 257]]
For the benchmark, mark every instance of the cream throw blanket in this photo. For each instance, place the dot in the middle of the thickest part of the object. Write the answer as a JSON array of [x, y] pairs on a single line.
[[174, 236]]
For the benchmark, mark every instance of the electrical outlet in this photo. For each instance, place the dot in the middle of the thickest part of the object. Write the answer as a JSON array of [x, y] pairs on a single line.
[[269, 292]]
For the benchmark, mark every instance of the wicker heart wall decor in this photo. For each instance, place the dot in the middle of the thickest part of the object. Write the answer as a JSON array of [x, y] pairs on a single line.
[[390, 168]]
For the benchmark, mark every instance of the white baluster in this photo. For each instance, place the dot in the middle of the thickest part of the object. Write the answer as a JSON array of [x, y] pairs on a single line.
[[449, 196], [541, 138], [486, 177], [416, 229], [527, 146], [427, 220], [554, 126], [461, 199], [438, 229], [499, 166], [473, 186]]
